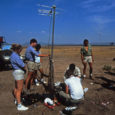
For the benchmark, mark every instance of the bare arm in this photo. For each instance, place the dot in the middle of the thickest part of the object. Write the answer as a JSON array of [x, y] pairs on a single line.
[[82, 57], [43, 55], [67, 90], [92, 56]]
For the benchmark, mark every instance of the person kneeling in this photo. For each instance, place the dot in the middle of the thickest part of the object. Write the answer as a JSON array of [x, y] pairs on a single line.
[[74, 90]]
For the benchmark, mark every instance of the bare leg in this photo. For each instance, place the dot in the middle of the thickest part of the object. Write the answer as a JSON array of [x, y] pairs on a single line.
[[28, 80], [14, 91], [42, 72], [84, 69], [42, 75], [19, 88], [34, 76], [91, 69]]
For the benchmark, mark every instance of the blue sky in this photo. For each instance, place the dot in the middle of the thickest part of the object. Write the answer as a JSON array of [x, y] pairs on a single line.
[[76, 20]]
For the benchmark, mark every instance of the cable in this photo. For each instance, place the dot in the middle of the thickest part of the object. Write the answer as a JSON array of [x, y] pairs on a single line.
[[50, 24], [48, 46]]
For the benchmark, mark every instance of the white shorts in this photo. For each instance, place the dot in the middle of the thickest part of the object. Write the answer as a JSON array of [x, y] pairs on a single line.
[[18, 74], [88, 59]]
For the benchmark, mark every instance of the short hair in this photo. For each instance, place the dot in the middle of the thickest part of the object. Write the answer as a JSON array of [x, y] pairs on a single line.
[[33, 41], [86, 40], [69, 73], [38, 46], [72, 67], [16, 47]]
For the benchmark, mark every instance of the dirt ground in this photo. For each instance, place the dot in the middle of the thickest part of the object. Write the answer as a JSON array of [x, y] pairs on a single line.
[[99, 100]]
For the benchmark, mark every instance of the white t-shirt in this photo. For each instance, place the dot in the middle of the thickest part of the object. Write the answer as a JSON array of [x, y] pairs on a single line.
[[37, 59], [75, 87]]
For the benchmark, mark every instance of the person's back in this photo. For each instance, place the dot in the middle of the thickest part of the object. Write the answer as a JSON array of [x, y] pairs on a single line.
[[75, 87]]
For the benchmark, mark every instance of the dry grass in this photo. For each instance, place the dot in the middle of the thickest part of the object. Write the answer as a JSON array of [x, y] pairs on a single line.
[[99, 92]]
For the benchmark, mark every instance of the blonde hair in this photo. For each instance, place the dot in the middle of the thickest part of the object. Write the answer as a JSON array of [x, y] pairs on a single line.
[[16, 47]]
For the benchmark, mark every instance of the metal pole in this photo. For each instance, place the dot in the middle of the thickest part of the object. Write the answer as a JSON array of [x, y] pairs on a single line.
[[51, 72]]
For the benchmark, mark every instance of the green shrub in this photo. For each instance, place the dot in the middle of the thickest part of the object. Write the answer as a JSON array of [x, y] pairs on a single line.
[[113, 69], [107, 67]]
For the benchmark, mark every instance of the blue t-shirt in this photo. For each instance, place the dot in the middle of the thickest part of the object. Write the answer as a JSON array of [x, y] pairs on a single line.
[[31, 53], [16, 61]]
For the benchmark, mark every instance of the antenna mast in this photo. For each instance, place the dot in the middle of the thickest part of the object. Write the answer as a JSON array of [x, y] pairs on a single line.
[[51, 68], [51, 71]]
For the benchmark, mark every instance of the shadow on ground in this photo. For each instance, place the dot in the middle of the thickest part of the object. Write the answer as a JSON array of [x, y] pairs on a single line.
[[33, 98], [108, 84], [110, 73]]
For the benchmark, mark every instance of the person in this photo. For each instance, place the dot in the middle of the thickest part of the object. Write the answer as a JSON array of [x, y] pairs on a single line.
[[74, 90], [87, 57], [75, 69], [38, 66], [18, 73], [30, 57]]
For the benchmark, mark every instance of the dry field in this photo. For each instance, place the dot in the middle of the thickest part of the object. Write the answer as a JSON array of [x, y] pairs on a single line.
[[99, 100]]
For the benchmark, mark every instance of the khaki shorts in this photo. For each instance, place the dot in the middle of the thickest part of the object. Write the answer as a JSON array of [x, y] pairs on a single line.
[[64, 95], [18, 74], [38, 66], [68, 97], [88, 59], [31, 66]]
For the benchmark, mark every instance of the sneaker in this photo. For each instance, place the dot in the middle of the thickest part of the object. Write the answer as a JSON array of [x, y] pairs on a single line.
[[91, 75], [71, 108], [21, 107], [15, 101], [61, 113], [84, 76], [43, 81], [37, 84], [85, 90]]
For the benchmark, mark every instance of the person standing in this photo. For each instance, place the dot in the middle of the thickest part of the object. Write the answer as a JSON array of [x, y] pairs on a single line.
[[18, 73], [30, 57], [87, 57]]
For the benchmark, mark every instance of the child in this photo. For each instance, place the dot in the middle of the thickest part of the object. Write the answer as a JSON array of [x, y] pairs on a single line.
[[38, 66], [18, 73]]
